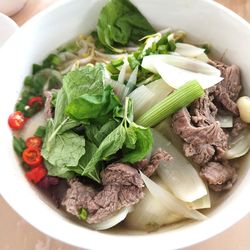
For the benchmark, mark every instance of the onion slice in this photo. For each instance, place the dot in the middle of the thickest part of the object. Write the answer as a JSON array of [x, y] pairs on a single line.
[[112, 220], [239, 146], [177, 70], [178, 174], [169, 201], [188, 50], [226, 121]]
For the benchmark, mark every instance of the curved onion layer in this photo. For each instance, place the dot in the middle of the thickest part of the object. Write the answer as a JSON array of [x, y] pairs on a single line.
[[177, 70], [226, 121], [239, 146], [178, 174], [112, 220], [169, 201], [145, 97], [188, 50], [150, 214]]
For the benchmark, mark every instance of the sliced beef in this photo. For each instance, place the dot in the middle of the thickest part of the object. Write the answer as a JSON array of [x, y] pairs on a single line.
[[220, 176], [203, 111], [123, 187], [227, 91], [148, 167], [201, 143], [121, 174]]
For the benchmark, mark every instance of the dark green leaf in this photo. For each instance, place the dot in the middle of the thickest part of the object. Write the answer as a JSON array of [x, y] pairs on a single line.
[[109, 146], [138, 145], [59, 171], [88, 80], [90, 106], [121, 22], [18, 145], [40, 132]]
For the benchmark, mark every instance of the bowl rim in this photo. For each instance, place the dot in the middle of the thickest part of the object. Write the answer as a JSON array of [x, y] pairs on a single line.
[[115, 239], [11, 25]]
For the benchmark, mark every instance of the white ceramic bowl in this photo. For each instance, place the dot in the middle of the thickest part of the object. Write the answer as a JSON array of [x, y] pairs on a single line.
[[7, 28], [204, 20]]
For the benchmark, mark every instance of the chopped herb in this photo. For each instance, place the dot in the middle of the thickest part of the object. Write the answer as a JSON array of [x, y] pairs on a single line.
[[83, 214]]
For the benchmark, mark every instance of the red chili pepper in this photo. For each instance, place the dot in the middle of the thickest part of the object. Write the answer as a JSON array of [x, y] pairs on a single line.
[[37, 102], [16, 120], [32, 157], [34, 142], [37, 174]]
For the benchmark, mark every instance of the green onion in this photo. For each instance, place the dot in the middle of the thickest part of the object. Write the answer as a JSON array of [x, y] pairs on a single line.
[[117, 63], [133, 62], [112, 69], [83, 214], [180, 98]]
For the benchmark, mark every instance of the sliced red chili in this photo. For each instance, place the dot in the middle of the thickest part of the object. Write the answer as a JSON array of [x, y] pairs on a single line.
[[32, 157], [37, 174], [36, 102], [34, 142], [16, 120]]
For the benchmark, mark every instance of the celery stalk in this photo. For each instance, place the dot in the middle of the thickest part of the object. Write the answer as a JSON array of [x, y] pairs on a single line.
[[180, 98]]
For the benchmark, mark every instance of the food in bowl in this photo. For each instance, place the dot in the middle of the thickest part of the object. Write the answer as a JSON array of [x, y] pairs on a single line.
[[112, 106]]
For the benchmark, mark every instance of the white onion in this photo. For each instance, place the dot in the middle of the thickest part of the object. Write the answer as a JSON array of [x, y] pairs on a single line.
[[112, 220], [188, 50], [169, 201], [145, 97], [239, 146], [151, 40], [150, 214], [177, 70], [178, 174], [141, 97], [122, 74], [226, 121], [182, 62], [202, 203]]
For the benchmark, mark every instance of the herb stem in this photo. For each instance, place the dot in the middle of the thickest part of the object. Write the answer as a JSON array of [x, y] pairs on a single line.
[[180, 98]]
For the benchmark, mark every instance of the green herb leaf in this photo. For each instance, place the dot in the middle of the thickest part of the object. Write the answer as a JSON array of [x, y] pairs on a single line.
[[40, 132], [83, 214], [109, 146], [121, 22], [88, 80], [90, 106], [60, 171], [138, 143], [18, 145], [65, 150]]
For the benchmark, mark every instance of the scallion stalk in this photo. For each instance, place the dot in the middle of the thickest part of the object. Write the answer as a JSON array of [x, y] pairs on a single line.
[[180, 98]]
